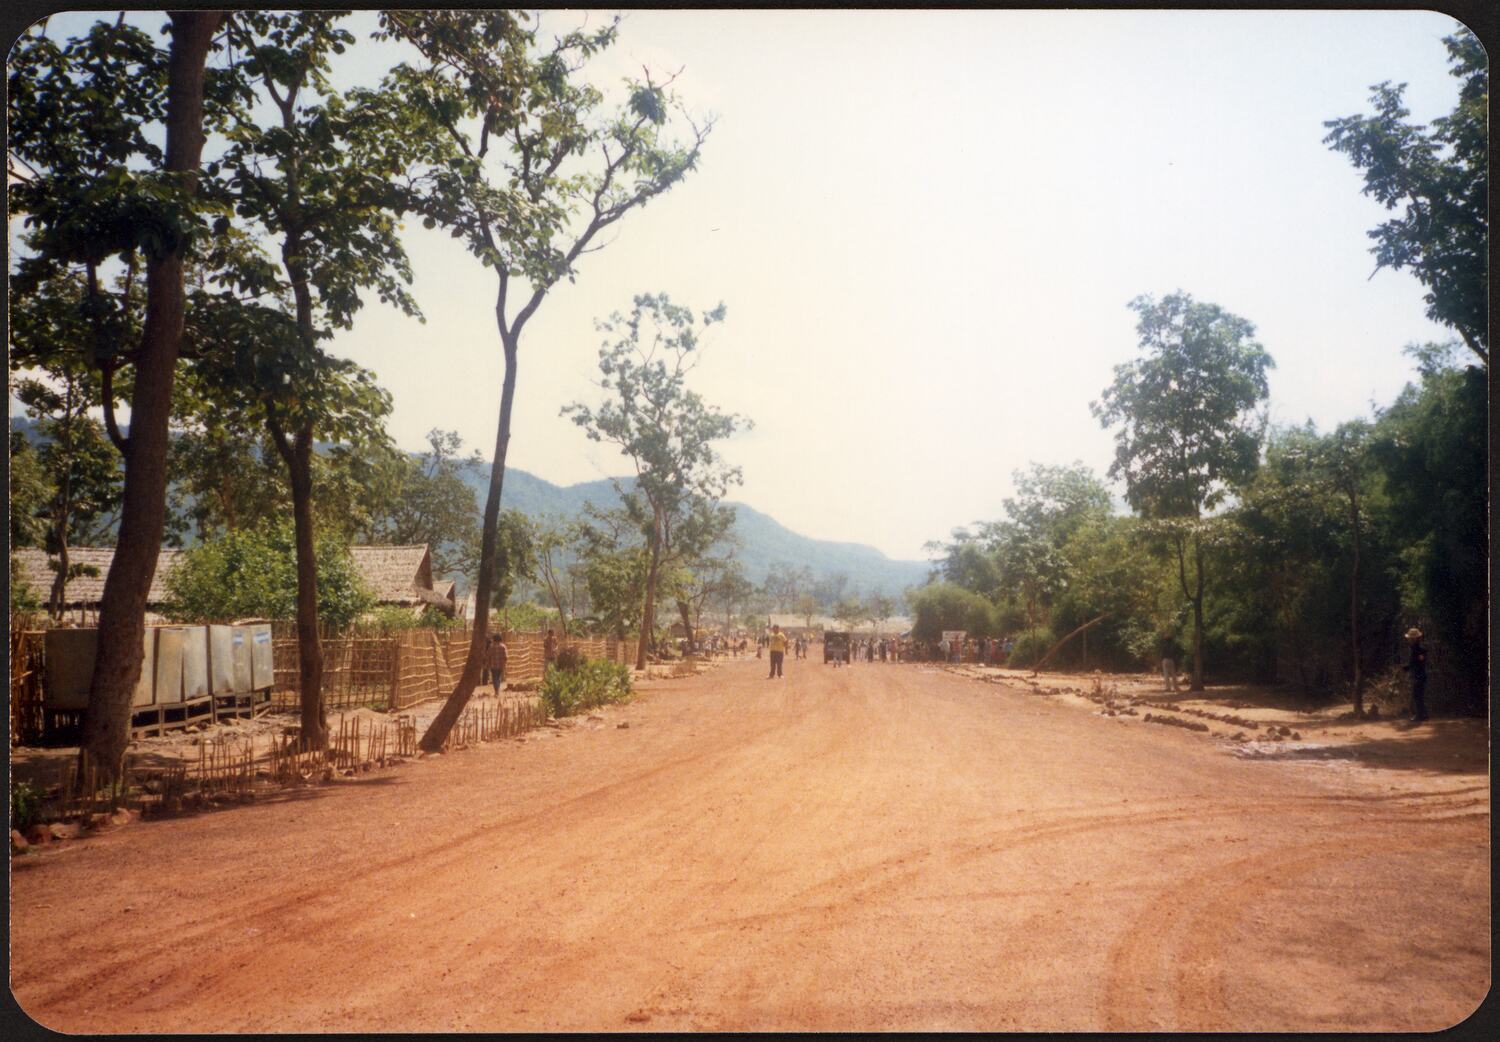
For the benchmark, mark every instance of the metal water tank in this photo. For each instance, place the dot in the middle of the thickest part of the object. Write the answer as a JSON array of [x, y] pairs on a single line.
[[221, 660], [262, 663], [194, 663], [69, 655], [169, 642], [241, 677]]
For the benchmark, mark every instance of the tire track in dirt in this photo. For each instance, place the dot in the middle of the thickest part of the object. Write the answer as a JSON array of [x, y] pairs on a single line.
[[318, 904], [870, 847], [1178, 936]]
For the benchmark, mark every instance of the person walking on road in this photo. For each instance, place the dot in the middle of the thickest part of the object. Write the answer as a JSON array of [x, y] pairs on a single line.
[[494, 660], [1416, 665], [777, 645]]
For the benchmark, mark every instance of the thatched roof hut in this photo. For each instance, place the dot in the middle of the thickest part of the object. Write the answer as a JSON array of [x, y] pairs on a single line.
[[34, 569], [400, 575]]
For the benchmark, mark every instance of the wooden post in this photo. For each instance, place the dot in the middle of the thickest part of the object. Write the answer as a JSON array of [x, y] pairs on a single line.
[[394, 694]]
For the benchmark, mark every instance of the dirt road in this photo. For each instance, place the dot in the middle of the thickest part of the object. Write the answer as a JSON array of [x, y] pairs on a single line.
[[877, 847]]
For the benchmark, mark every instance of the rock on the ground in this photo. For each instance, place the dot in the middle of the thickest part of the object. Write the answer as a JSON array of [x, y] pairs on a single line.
[[65, 829], [622, 724], [18, 841], [38, 834]]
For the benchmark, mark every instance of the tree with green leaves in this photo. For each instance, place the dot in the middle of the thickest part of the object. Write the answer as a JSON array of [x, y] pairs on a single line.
[[850, 612], [425, 499], [554, 542], [322, 180], [57, 383], [1437, 177], [967, 560], [614, 565], [666, 431], [1343, 463], [252, 573], [30, 491], [1027, 549], [710, 579], [829, 588], [807, 606], [879, 608], [785, 584], [518, 558], [92, 184], [537, 169], [1430, 447], [1188, 431], [943, 606]]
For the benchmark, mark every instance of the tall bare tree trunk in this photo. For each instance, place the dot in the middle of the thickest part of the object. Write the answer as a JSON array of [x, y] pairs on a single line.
[[437, 731], [122, 608]]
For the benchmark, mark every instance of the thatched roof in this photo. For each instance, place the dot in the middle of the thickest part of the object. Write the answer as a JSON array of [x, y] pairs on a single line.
[[33, 570], [395, 574]]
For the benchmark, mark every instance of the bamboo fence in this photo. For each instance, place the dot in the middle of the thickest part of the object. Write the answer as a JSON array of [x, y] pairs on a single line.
[[238, 769], [27, 721], [391, 671]]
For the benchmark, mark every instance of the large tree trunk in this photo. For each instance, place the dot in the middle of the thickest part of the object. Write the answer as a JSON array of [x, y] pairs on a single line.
[[122, 608], [437, 732], [648, 611], [298, 457]]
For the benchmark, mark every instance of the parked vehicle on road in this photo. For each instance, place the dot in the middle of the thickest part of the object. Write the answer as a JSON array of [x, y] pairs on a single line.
[[836, 647]]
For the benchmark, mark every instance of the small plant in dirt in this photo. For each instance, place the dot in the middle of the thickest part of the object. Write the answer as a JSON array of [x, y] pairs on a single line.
[[1390, 691], [25, 805], [586, 686]]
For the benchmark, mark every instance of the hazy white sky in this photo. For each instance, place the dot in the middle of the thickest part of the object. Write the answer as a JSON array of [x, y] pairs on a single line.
[[926, 227]]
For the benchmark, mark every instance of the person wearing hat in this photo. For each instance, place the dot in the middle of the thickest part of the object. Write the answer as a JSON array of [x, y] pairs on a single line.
[[1416, 665]]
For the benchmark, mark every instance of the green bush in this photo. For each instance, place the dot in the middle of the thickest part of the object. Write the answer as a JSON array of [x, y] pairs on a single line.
[[389, 617], [590, 684], [25, 805], [1030, 646], [527, 616], [252, 573]]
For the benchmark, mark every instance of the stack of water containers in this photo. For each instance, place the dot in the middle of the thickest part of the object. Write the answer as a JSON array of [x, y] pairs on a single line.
[[189, 674]]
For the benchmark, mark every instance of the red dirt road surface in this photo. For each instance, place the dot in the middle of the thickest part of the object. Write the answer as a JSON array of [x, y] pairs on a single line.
[[880, 847]]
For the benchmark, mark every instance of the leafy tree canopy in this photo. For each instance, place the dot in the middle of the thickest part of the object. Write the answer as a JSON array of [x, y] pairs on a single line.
[[252, 573], [1436, 178]]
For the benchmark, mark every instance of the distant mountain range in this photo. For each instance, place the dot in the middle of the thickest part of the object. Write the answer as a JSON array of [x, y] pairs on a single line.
[[763, 541]]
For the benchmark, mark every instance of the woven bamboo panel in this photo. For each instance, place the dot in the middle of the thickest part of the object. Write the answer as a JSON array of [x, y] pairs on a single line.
[[391, 671], [26, 717]]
